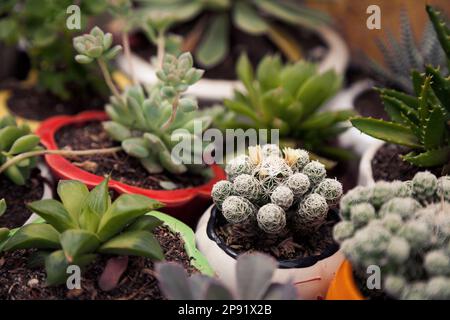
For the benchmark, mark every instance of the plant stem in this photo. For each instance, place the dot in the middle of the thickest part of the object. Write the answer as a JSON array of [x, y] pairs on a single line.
[[173, 114], [127, 50], [161, 48], [65, 153], [108, 79]]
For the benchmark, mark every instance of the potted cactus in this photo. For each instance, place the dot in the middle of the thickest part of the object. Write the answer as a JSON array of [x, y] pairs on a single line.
[[115, 242], [218, 31], [417, 135], [403, 228], [254, 282], [146, 125], [278, 203], [27, 181]]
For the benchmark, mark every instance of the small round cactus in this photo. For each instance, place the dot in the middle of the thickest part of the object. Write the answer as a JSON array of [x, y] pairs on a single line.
[[401, 206], [312, 212], [361, 214], [271, 218], [395, 285], [237, 209], [331, 190], [315, 171], [283, 197], [382, 192], [220, 191], [398, 250], [268, 150], [424, 185], [437, 263], [299, 184], [239, 165], [343, 230], [443, 188], [247, 186], [296, 158]]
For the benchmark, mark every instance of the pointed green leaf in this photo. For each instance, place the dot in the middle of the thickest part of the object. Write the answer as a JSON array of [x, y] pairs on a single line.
[[244, 71], [242, 109], [268, 72], [116, 131], [430, 158], [136, 147], [146, 223], [434, 129], [423, 100], [7, 137], [15, 175], [294, 76], [442, 31], [56, 266], [246, 18], [98, 199], [78, 242], [134, 243], [151, 164], [89, 220], [54, 213], [326, 119], [215, 44], [24, 144], [441, 86], [73, 195], [4, 233], [36, 236], [3, 207]]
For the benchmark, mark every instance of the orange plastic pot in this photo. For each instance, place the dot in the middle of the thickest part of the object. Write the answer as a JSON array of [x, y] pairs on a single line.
[[343, 285]]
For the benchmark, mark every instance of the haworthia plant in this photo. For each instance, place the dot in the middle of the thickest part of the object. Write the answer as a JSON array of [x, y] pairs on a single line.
[[254, 282], [85, 224], [420, 122], [14, 140]]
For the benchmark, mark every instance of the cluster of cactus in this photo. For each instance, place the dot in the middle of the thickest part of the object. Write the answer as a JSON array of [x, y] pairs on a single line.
[[150, 122], [420, 122], [85, 224], [288, 98], [273, 188], [14, 140], [404, 228], [254, 274]]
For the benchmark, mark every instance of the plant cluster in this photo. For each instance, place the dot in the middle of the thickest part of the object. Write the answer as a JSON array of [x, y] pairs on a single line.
[[272, 188], [288, 97], [255, 17], [85, 224], [404, 228], [420, 122], [254, 274]]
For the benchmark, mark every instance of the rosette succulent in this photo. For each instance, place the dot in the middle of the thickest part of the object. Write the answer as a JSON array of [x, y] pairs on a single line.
[[404, 228], [276, 190]]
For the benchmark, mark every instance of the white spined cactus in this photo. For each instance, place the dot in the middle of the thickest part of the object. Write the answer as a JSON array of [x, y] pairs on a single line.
[[299, 184], [248, 187], [315, 171], [331, 190], [424, 185], [297, 159], [237, 209], [402, 206], [361, 214], [312, 212], [269, 150], [220, 191], [239, 165], [283, 197], [271, 218], [272, 172], [443, 188]]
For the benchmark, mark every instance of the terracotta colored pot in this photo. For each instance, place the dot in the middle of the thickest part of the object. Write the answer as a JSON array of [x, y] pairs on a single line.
[[343, 286], [185, 204]]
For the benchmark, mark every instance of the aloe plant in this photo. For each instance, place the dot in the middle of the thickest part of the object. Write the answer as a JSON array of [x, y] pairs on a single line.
[[254, 282], [85, 224], [288, 97], [420, 122], [15, 140], [255, 17]]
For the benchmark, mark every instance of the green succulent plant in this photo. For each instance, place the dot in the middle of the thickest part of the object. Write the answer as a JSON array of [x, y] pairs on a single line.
[[277, 191], [3, 207], [404, 228], [254, 282], [85, 224], [405, 54], [42, 26], [255, 17], [288, 97], [15, 140], [420, 122]]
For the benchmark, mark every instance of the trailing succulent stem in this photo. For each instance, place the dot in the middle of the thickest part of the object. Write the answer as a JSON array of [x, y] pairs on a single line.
[[277, 190], [404, 228]]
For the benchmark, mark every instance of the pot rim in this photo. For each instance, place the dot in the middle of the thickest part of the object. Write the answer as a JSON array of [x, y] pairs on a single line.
[[365, 176], [64, 168], [282, 264]]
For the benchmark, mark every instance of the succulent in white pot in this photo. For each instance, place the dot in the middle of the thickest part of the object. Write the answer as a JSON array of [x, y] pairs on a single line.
[[279, 203]]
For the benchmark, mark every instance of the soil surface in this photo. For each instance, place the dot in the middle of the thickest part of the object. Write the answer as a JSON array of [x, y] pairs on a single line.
[[17, 197], [286, 245], [387, 164], [120, 166], [255, 46], [32, 103], [19, 282]]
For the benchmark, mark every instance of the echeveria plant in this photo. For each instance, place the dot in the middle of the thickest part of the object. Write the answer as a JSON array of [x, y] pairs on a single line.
[[85, 224], [404, 228]]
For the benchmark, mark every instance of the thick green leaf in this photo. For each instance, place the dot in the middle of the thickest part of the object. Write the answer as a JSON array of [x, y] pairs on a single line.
[[8, 135], [397, 108], [4, 233], [89, 220], [98, 199], [15, 175], [78, 242], [434, 129], [3, 207], [56, 266], [123, 211], [136, 147], [24, 144], [244, 70], [430, 158], [294, 76], [387, 131], [409, 100], [215, 44], [246, 18], [73, 196], [242, 109], [442, 31], [326, 119], [134, 243], [36, 236], [268, 72], [116, 131], [441, 86], [54, 213], [423, 100], [146, 223]]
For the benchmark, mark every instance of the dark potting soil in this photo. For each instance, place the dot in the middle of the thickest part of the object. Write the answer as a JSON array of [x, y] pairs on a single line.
[[34, 104], [20, 282], [286, 245], [17, 197], [387, 164], [120, 166], [256, 47]]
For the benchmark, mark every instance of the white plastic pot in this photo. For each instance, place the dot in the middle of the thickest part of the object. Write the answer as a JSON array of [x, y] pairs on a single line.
[[312, 280], [337, 58], [365, 177]]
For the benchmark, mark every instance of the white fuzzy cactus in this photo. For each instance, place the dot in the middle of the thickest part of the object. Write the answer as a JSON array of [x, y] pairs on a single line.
[[237, 209], [220, 191], [239, 165], [315, 171], [299, 184], [312, 212], [283, 197], [271, 218], [424, 185], [331, 190], [248, 187]]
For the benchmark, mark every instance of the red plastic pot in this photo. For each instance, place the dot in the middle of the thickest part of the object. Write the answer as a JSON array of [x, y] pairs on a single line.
[[185, 204]]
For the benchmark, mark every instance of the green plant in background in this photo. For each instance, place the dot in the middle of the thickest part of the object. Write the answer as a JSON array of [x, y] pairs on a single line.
[[288, 97], [3, 207], [85, 224], [15, 140], [405, 54], [146, 122], [276, 191], [254, 282], [42, 27], [420, 122], [255, 17], [403, 227]]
